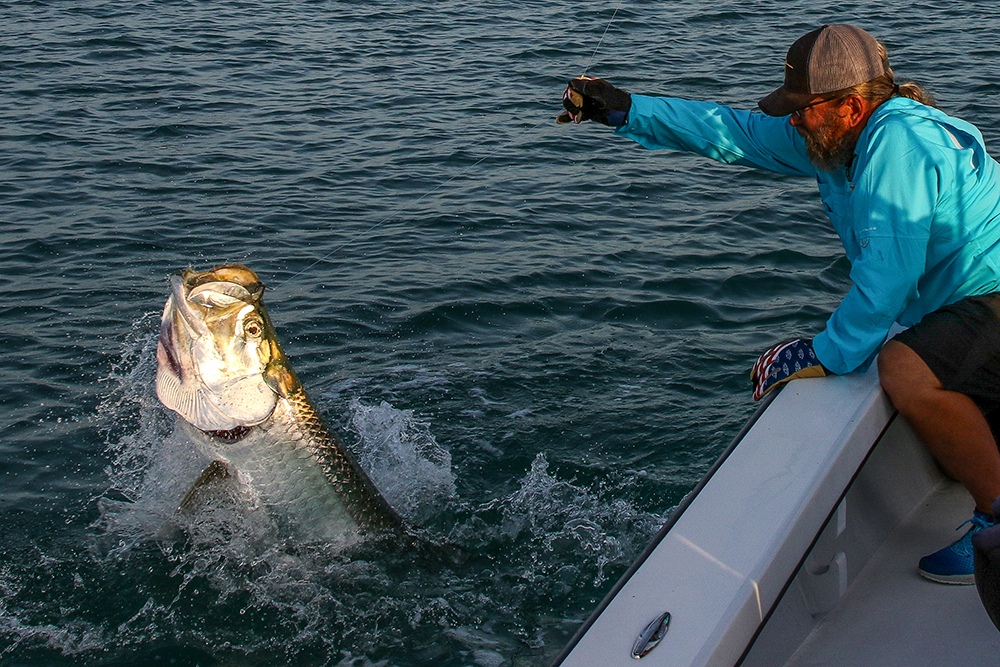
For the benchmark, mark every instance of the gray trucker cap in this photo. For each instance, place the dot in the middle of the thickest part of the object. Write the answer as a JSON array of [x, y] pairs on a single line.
[[824, 61]]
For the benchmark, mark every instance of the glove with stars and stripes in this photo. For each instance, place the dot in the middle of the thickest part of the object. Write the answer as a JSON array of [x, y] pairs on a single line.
[[782, 363]]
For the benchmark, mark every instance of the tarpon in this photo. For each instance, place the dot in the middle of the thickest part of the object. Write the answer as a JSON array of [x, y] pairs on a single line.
[[221, 369]]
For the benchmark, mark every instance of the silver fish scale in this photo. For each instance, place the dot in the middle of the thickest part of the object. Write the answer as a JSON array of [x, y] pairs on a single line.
[[301, 472], [297, 423], [278, 466]]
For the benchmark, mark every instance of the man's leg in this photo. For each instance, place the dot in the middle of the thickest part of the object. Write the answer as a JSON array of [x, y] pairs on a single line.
[[949, 424]]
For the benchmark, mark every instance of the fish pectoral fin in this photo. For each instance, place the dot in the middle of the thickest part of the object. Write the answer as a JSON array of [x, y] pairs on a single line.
[[217, 469]]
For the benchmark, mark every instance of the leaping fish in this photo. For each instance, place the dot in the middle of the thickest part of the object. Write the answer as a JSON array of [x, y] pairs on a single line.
[[221, 369]]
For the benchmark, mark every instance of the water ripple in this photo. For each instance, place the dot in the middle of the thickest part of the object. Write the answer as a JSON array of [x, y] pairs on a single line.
[[570, 317]]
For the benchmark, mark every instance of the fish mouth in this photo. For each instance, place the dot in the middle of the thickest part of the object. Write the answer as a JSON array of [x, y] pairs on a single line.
[[165, 355], [176, 309], [209, 369]]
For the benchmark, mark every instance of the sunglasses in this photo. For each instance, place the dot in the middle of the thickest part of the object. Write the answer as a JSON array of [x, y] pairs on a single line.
[[798, 112]]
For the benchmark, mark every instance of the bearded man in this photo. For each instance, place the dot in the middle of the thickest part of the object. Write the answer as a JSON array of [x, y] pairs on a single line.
[[915, 198]]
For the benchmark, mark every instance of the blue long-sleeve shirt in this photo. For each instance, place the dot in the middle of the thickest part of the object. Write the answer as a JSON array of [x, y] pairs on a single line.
[[918, 212]]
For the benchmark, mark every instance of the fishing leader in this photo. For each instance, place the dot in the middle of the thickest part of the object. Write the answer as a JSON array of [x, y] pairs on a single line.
[[915, 199]]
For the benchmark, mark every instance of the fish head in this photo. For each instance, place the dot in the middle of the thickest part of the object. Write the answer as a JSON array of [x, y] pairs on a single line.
[[219, 364]]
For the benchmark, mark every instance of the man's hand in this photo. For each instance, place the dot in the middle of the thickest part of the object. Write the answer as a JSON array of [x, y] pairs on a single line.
[[595, 99], [783, 363]]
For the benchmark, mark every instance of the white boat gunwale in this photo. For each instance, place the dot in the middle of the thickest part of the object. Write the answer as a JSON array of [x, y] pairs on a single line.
[[819, 534], [682, 506]]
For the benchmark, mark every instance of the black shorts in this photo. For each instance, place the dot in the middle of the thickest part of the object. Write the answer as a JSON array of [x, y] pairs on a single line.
[[961, 345]]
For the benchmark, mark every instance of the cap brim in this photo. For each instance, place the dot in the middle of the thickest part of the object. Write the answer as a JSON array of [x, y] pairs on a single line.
[[783, 102]]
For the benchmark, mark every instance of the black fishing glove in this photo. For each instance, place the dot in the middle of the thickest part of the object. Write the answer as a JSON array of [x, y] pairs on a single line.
[[595, 99]]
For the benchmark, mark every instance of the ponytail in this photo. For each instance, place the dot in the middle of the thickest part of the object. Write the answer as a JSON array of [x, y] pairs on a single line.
[[915, 92]]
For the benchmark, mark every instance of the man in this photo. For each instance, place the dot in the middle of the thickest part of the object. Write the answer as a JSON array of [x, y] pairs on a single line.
[[915, 199]]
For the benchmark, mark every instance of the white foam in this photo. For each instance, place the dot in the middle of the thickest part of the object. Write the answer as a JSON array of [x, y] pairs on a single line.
[[404, 460]]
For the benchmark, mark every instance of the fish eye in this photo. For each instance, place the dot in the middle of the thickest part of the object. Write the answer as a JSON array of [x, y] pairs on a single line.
[[253, 328]]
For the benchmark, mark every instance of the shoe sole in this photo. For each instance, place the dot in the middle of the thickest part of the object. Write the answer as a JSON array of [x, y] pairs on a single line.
[[952, 579]]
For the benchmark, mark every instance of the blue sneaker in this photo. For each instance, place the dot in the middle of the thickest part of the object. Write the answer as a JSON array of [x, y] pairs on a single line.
[[954, 564]]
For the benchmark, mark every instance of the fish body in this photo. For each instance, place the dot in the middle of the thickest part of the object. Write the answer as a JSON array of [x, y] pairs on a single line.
[[221, 369]]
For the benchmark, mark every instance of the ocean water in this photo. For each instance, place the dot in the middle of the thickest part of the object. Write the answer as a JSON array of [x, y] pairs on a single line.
[[535, 337]]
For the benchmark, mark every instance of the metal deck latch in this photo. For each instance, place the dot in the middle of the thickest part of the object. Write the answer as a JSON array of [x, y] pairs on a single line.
[[651, 636]]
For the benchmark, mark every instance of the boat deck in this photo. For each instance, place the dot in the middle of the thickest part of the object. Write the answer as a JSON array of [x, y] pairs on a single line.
[[892, 617]]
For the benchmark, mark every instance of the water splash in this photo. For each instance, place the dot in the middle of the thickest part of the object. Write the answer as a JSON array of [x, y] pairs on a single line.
[[558, 518], [407, 464], [223, 583]]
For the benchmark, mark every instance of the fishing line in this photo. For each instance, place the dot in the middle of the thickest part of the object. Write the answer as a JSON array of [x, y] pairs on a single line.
[[399, 210], [601, 41]]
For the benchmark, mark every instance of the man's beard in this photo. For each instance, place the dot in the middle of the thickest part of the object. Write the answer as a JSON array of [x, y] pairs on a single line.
[[829, 147]]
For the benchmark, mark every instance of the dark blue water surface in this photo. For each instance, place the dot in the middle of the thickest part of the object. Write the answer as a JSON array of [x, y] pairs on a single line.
[[536, 337]]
